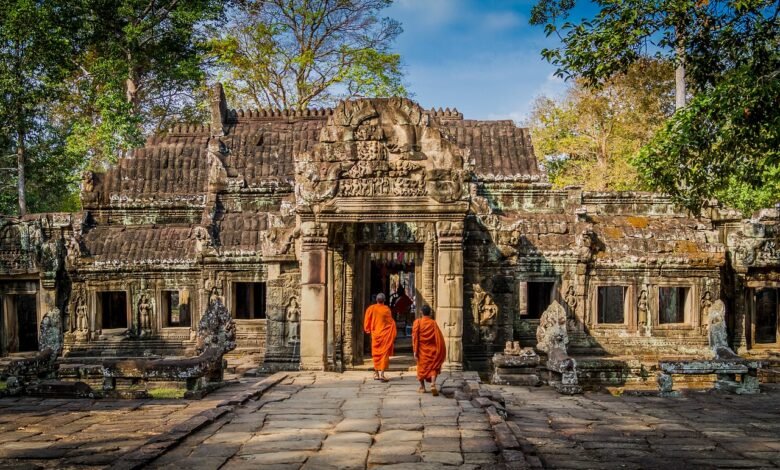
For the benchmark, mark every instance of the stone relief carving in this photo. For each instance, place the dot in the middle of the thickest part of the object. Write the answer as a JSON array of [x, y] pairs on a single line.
[[479, 205], [80, 310], [571, 302], [586, 243], [145, 312], [642, 308], [706, 301], [202, 238], [380, 147], [277, 241], [486, 312], [293, 317]]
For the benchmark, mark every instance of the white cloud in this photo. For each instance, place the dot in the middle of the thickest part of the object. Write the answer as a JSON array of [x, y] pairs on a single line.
[[501, 20]]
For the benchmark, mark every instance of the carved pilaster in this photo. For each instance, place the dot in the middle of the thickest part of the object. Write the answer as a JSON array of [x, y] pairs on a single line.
[[313, 295], [449, 291]]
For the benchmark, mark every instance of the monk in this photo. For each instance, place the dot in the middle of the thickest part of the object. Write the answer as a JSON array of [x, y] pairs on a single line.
[[379, 322], [429, 349]]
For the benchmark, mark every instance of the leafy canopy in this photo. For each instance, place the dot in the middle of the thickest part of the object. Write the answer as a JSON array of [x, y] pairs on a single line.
[[141, 71], [726, 142], [588, 136], [304, 53], [37, 40]]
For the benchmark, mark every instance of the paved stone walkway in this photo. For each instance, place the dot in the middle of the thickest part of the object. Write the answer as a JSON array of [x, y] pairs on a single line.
[[700, 431], [83, 433], [345, 421]]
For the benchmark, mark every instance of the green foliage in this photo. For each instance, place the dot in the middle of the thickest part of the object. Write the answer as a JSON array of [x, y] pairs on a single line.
[[588, 136], [725, 143], [36, 44], [304, 53], [141, 71], [83, 81]]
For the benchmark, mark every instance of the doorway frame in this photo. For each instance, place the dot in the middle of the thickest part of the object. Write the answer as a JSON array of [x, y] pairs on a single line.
[[361, 290]]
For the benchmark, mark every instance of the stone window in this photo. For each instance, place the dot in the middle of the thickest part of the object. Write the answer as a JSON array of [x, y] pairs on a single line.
[[539, 295], [612, 304], [176, 308], [672, 304], [766, 322], [113, 309], [249, 300]]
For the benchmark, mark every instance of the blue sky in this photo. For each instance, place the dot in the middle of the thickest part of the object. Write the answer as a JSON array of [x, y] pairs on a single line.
[[479, 56]]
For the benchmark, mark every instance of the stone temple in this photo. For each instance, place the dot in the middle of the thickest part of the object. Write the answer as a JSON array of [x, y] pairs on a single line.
[[294, 219]]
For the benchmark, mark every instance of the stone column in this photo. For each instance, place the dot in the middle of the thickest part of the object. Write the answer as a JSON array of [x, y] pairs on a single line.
[[313, 295], [449, 291]]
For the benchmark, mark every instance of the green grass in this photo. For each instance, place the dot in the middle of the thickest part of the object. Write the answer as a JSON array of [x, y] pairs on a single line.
[[162, 393], [3, 386]]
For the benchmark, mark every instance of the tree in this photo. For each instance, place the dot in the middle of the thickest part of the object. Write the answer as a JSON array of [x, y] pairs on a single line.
[[36, 42], [588, 136], [141, 71], [725, 142], [303, 53]]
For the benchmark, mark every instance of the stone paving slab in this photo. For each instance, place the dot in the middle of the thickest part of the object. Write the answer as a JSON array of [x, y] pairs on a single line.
[[708, 430], [346, 421], [87, 433]]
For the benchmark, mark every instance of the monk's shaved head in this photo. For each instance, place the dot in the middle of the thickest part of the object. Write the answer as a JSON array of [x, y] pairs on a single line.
[[426, 310], [380, 298]]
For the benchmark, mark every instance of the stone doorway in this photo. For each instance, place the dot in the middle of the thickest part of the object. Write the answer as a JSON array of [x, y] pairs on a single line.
[[391, 270], [113, 310], [766, 318], [18, 318], [27, 322]]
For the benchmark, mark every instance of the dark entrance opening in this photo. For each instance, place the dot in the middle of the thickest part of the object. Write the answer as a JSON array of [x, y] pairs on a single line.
[[250, 300], [767, 312], [113, 307], [395, 274], [27, 322]]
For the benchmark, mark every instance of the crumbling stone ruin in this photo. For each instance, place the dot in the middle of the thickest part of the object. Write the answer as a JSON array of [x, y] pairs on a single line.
[[24, 372], [293, 219], [195, 375], [516, 366], [724, 362], [552, 338]]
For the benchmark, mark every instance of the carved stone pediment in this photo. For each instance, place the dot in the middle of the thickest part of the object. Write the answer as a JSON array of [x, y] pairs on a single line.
[[380, 147]]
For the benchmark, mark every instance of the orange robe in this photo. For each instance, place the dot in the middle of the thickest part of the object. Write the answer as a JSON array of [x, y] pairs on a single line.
[[379, 322], [428, 346]]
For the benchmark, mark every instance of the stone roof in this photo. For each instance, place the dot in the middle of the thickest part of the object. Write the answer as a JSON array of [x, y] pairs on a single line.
[[169, 164], [498, 148], [140, 245], [262, 145], [240, 231]]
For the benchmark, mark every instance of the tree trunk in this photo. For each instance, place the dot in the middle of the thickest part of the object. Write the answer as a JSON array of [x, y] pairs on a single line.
[[132, 94], [679, 81], [679, 73], [20, 164], [132, 84]]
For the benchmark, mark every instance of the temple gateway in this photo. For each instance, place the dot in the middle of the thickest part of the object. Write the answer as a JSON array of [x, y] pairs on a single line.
[[295, 219]]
